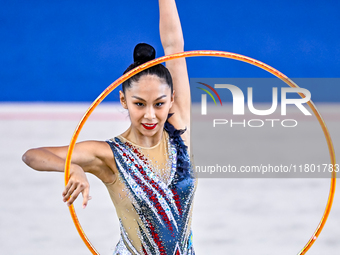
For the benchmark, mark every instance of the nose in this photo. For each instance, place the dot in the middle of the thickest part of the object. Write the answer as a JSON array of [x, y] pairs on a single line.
[[150, 113]]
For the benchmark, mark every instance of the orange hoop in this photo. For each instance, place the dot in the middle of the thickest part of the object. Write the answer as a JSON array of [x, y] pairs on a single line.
[[222, 54]]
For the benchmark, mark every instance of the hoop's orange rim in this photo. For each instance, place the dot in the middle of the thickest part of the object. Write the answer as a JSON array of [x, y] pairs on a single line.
[[198, 53]]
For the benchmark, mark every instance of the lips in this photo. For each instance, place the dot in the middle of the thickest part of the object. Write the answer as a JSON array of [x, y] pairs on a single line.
[[149, 126]]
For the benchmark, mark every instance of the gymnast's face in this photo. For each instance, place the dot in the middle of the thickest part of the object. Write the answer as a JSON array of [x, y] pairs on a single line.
[[148, 101]]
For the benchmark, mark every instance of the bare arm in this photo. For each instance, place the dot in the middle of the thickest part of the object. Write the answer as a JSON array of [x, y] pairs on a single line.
[[42, 159], [85, 157], [173, 42], [89, 155]]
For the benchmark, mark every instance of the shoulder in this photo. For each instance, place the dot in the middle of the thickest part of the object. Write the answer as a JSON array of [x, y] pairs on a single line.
[[103, 165], [104, 151], [96, 148]]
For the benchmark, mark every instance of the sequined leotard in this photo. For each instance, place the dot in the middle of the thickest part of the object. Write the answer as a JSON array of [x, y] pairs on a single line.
[[153, 196]]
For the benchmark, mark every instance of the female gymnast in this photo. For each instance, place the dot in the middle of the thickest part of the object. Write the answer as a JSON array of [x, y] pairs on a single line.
[[146, 169]]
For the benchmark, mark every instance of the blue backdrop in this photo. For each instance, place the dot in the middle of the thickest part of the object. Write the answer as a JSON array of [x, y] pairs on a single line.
[[72, 50]]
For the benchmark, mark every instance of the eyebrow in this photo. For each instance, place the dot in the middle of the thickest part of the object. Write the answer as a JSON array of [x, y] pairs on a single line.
[[158, 98]]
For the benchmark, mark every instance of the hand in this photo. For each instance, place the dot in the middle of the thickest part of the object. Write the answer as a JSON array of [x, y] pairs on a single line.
[[77, 184]]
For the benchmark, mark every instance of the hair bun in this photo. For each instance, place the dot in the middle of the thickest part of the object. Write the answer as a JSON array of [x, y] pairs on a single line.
[[143, 53]]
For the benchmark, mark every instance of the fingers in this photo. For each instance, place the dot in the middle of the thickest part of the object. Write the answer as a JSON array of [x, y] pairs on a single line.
[[75, 194], [69, 189], [86, 196], [72, 191]]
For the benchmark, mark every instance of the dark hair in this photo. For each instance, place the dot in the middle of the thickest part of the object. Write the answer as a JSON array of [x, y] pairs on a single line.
[[143, 53]]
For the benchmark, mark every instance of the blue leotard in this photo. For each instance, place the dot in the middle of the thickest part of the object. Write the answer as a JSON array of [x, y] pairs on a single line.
[[154, 195]]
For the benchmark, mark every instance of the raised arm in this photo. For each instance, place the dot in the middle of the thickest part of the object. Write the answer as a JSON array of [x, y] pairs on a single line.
[[173, 42]]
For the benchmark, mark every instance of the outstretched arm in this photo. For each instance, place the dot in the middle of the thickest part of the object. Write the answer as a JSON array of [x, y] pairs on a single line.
[[173, 42], [85, 155], [85, 159]]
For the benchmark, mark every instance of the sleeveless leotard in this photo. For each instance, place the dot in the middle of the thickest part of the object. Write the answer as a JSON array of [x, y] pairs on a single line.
[[153, 196]]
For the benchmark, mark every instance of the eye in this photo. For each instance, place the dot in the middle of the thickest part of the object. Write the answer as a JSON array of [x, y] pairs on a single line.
[[139, 104], [159, 104]]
